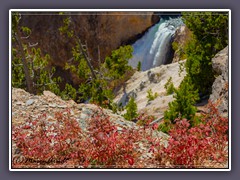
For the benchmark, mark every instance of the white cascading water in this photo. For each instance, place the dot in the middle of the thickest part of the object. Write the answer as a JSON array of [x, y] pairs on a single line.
[[151, 50]]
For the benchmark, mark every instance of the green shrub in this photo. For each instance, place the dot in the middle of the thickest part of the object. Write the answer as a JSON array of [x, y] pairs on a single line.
[[69, 92], [117, 63], [131, 109], [175, 46], [179, 50], [183, 105], [169, 86], [97, 92], [139, 66], [151, 96], [209, 35]]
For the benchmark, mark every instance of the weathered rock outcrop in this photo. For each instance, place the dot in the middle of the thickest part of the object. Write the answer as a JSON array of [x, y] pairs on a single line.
[[220, 86], [181, 36], [100, 30], [27, 107], [155, 79]]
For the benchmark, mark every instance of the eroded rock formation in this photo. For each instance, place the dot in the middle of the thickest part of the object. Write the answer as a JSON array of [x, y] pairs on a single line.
[[221, 84], [181, 36], [154, 79], [101, 31]]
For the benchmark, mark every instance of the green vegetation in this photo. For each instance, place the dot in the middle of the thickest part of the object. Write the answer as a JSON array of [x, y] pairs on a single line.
[[151, 96], [183, 105], [69, 92], [97, 92], [209, 35], [100, 89], [78, 65], [117, 63], [165, 126], [30, 69], [131, 109], [179, 49], [169, 86], [139, 66], [98, 82], [65, 29]]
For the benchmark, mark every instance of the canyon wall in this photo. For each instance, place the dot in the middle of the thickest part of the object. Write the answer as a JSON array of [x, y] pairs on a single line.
[[101, 31], [105, 31]]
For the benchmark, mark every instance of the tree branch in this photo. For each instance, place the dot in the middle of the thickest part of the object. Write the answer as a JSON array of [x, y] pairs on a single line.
[[29, 81]]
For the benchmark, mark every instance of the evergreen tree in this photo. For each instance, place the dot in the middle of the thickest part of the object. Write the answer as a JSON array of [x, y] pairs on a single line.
[[131, 109], [151, 96], [139, 66], [209, 35], [183, 105], [30, 69], [117, 63], [69, 92], [20, 57], [96, 80], [169, 86]]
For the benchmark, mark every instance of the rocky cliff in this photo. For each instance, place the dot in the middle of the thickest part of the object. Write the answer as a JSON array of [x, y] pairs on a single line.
[[221, 84], [101, 31], [154, 79], [181, 37]]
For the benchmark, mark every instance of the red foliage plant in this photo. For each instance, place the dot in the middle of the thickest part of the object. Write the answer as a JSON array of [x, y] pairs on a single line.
[[109, 147], [42, 141], [144, 120], [63, 142], [201, 146]]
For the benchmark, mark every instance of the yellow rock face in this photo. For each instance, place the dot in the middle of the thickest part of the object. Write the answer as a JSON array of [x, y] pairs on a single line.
[[103, 31]]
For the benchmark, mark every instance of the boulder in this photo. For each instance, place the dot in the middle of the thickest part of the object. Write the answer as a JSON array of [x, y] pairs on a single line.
[[181, 36], [220, 86]]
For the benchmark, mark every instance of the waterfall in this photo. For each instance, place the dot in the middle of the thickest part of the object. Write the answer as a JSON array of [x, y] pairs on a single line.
[[152, 49]]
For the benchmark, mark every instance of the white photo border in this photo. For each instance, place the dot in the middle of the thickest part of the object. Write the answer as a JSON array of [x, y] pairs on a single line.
[[119, 10]]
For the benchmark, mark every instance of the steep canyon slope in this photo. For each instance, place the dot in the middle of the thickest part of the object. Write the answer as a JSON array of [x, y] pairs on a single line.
[[101, 31]]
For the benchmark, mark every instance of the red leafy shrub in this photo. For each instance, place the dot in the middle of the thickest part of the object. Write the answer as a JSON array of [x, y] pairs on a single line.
[[144, 120], [204, 145], [62, 141], [43, 141], [109, 147]]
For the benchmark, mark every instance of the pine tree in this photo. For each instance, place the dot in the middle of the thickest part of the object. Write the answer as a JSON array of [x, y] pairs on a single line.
[[139, 66], [131, 109], [209, 35], [30, 69], [117, 63], [183, 105], [96, 80]]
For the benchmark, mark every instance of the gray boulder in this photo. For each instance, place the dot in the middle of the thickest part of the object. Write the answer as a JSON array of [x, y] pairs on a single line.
[[220, 86]]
